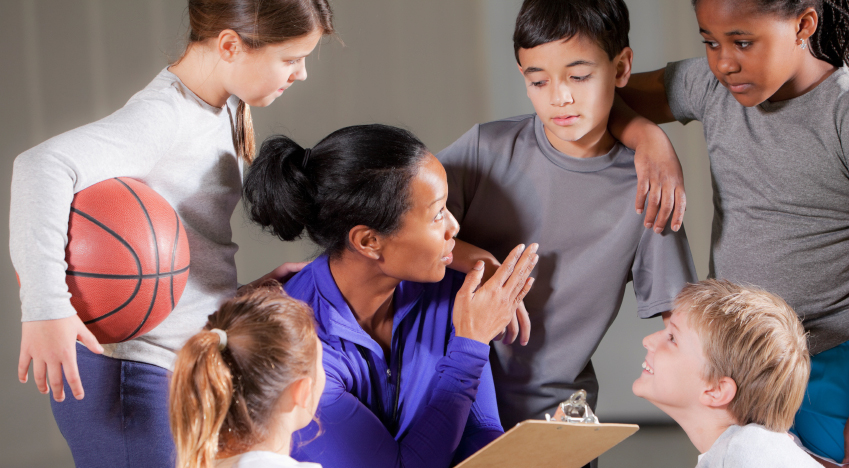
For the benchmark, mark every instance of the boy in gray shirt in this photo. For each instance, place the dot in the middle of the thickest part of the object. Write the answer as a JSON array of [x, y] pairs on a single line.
[[557, 177], [731, 368]]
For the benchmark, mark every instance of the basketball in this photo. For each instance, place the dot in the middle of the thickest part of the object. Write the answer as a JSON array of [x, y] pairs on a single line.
[[128, 259]]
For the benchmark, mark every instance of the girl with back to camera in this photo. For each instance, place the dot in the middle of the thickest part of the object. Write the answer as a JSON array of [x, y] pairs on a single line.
[[244, 384], [772, 96], [408, 376], [187, 135]]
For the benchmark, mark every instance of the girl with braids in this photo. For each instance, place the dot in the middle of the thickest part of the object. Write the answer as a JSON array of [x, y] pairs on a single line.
[[245, 383], [773, 97], [186, 135], [408, 376]]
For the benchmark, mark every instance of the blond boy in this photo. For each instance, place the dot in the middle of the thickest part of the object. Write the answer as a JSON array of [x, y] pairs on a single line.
[[731, 368]]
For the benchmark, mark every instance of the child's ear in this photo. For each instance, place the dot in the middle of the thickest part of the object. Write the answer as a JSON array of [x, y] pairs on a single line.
[[301, 392], [365, 241], [229, 44], [806, 24], [720, 394], [623, 66]]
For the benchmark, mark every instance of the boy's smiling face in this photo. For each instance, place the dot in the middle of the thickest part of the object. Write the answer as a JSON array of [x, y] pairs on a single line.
[[673, 368], [571, 84]]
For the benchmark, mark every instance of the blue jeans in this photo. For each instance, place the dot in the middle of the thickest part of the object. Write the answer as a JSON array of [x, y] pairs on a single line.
[[820, 421], [123, 419]]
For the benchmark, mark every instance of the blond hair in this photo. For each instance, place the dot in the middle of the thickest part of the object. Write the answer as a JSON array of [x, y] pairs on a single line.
[[224, 400], [756, 339]]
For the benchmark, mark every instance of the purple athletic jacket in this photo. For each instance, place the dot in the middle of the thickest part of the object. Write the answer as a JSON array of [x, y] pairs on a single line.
[[442, 409]]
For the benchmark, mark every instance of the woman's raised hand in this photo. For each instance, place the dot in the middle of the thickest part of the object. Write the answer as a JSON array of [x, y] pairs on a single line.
[[481, 313]]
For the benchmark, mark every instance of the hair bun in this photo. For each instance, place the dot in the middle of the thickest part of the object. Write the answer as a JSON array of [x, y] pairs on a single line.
[[279, 195]]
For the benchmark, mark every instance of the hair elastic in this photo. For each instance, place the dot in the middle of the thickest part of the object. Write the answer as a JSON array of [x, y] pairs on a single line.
[[306, 157], [222, 338]]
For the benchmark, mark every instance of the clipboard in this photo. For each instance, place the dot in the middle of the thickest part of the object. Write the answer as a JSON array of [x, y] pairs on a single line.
[[563, 441]]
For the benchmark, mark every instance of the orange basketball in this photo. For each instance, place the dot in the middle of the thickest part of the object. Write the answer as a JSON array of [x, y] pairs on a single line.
[[128, 259]]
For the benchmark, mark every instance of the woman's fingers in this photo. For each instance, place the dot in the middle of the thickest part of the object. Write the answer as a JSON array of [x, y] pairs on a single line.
[[512, 330], [470, 284], [524, 320], [506, 269], [521, 272]]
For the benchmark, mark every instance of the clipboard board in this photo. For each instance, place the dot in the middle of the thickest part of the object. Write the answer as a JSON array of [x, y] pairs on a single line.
[[553, 443]]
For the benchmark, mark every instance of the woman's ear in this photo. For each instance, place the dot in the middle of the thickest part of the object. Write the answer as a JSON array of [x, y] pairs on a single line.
[[623, 66], [365, 241], [229, 45], [720, 394]]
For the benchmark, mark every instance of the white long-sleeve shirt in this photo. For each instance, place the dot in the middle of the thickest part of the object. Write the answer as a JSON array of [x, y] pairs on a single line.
[[175, 143]]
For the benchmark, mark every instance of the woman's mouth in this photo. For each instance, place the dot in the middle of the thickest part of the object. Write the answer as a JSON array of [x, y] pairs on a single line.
[[449, 257], [647, 368], [565, 120]]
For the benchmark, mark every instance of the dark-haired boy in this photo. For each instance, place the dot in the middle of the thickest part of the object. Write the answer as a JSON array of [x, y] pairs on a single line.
[[558, 177]]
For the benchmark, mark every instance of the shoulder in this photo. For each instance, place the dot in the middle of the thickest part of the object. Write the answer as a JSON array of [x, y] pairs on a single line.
[[506, 129], [755, 446]]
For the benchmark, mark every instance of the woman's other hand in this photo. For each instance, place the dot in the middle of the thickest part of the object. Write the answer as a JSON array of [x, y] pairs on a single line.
[[481, 313]]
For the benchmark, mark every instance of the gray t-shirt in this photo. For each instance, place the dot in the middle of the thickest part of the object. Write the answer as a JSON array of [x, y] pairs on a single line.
[[180, 146], [754, 446], [507, 185], [781, 192]]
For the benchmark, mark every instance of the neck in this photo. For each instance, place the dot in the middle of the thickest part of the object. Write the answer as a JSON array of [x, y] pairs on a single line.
[[200, 70], [703, 425], [367, 290], [596, 142], [280, 439], [810, 73]]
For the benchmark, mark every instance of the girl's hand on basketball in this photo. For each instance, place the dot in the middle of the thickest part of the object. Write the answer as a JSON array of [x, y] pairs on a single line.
[[660, 180], [281, 274], [51, 345], [481, 313]]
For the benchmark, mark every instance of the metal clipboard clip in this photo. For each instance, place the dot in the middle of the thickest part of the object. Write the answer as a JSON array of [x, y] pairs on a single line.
[[574, 410]]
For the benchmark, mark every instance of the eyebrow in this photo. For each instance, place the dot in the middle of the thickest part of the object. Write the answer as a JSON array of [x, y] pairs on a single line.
[[437, 200], [576, 63], [673, 324], [736, 32]]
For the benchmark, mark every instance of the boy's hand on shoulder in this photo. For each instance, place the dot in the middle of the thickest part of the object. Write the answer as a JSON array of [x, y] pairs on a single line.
[[660, 182]]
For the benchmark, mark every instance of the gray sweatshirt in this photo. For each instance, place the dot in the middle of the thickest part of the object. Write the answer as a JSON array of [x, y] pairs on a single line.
[[175, 143]]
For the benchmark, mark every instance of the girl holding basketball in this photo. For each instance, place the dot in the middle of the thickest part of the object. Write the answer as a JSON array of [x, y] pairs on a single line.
[[186, 135], [245, 383], [773, 97]]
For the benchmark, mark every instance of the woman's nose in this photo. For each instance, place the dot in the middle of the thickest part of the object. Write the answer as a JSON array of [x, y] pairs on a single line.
[[453, 226]]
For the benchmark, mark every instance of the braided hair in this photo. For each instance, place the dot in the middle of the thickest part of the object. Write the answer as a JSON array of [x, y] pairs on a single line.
[[830, 42]]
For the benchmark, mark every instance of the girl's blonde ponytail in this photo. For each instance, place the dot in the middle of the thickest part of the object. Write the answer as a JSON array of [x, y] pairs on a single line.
[[201, 392]]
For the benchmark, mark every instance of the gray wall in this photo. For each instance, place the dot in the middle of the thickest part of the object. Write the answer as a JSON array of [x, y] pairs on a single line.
[[435, 67]]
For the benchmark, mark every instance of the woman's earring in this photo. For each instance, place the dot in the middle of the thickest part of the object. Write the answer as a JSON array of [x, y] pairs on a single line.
[[803, 45]]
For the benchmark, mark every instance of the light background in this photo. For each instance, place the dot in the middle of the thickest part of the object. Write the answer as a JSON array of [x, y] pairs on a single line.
[[435, 67]]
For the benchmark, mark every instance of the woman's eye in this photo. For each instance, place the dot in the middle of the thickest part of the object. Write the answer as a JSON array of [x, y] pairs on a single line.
[[581, 78], [743, 44], [293, 62], [711, 44]]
